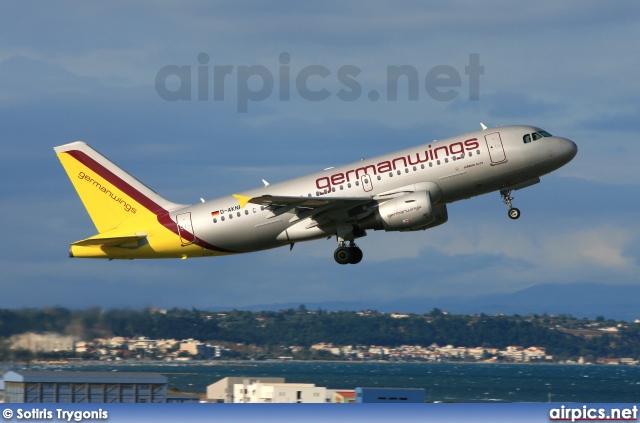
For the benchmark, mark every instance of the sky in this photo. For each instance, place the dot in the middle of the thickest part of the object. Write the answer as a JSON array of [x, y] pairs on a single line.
[[144, 83]]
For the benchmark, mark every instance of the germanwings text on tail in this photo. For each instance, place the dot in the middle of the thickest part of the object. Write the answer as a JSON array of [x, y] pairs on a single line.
[[406, 190]]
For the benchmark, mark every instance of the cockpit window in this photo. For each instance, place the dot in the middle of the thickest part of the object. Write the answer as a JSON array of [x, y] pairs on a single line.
[[535, 136]]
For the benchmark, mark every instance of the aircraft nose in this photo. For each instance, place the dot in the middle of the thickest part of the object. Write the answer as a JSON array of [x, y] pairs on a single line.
[[567, 149]]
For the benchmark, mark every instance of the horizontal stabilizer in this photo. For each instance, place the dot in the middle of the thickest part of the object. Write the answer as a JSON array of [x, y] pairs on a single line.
[[117, 241]]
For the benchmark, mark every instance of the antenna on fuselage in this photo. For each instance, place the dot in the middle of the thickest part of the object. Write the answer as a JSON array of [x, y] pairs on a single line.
[[483, 126]]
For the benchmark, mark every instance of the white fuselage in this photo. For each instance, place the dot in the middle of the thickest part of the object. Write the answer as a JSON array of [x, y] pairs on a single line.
[[451, 169]]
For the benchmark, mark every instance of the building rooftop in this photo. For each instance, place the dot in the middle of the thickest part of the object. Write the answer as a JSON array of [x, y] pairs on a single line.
[[83, 377], [347, 394]]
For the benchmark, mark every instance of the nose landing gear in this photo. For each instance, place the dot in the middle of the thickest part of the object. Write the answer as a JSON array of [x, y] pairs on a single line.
[[348, 255], [514, 213]]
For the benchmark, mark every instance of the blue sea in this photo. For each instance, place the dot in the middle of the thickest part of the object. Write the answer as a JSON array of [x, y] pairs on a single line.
[[446, 382]]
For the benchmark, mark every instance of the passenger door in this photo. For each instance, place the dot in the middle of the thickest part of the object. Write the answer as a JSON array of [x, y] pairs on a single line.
[[496, 150]]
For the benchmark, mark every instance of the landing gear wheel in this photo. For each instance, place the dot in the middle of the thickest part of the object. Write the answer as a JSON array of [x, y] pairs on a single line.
[[342, 255], [356, 255], [514, 213]]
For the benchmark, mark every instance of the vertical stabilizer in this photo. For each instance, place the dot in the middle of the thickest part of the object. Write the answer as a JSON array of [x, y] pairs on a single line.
[[110, 195]]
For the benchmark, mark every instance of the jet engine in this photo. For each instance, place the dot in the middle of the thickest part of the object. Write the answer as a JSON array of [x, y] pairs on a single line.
[[441, 216], [409, 212]]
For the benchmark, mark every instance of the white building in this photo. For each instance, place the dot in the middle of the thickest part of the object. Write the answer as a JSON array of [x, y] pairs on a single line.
[[222, 390], [260, 392], [477, 353], [194, 347], [535, 353], [116, 342], [324, 346], [42, 342], [143, 343]]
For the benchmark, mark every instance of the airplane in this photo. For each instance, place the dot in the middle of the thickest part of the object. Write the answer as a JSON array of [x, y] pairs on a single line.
[[407, 190]]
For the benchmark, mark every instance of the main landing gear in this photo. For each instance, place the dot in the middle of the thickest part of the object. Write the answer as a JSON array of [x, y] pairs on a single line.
[[348, 255], [514, 213]]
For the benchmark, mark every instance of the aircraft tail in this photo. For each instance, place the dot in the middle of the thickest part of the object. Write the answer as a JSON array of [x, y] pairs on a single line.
[[110, 195]]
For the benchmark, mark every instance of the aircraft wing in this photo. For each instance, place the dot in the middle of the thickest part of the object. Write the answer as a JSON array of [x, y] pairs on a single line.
[[314, 207], [118, 241], [307, 202]]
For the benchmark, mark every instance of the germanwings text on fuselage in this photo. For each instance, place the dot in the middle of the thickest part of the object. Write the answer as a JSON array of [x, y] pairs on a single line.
[[390, 165]]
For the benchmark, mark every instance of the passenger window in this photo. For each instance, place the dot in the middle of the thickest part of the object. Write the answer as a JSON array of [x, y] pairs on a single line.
[[527, 139], [357, 183], [215, 220]]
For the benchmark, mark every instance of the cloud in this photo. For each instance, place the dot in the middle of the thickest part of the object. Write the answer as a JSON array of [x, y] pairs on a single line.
[[602, 246], [88, 73], [509, 106], [25, 80], [497, 253], [616, 121]]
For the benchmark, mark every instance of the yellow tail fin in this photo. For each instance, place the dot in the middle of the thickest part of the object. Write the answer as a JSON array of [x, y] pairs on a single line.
[[110, 195]]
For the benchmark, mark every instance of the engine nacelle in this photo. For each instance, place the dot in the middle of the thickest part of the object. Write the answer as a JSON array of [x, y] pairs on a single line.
[[441, 216], [405, 213]]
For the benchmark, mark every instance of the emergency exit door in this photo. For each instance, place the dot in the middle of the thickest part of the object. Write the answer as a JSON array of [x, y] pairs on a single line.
[[367, 183], [185, 229]]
